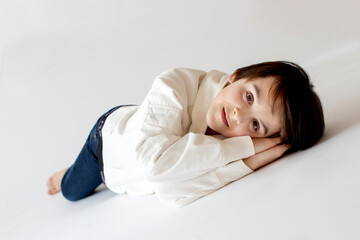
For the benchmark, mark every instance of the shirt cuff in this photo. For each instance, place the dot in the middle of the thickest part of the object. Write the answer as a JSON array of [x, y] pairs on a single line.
[[237, 148]]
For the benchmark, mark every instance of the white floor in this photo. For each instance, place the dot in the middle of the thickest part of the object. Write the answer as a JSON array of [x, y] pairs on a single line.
[[64, 63]]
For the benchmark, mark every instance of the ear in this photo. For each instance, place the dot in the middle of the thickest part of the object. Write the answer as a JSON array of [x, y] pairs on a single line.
[[231, 78]]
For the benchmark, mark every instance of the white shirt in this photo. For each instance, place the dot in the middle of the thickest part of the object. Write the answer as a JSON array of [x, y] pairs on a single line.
[[161, 146]]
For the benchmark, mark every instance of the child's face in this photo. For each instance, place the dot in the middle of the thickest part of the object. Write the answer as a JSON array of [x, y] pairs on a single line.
[[245, 108]]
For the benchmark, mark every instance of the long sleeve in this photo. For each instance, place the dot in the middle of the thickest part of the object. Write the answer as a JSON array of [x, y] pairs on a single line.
[[182, 193], [165, 150]]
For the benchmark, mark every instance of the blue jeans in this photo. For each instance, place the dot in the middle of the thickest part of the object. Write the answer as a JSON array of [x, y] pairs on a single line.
[[86, 174]]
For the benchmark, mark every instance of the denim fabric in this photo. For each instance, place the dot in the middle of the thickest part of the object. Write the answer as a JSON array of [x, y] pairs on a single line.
[[86, 174], [81, 179]]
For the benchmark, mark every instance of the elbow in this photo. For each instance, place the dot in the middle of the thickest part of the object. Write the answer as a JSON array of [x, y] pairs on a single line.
[[157, 174], [152, 167], [150, 175], [151, 172], [174, 194], [147, 163]]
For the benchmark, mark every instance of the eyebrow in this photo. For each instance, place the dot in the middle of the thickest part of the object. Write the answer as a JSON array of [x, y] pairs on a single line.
[[257, 90]]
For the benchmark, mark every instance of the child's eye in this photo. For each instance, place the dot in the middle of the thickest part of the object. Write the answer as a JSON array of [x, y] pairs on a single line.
[[256, 125], [249, 97]]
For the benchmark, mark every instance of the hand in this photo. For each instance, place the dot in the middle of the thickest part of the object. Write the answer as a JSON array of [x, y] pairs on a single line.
[[266, 151]]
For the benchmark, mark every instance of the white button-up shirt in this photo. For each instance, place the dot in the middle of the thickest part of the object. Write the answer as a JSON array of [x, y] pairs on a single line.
[[161, 146]]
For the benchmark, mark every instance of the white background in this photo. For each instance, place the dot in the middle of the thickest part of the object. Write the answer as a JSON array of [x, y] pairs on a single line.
[[64, 63]]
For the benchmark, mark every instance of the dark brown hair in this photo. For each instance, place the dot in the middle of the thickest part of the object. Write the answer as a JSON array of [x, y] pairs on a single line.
[[303, 121]]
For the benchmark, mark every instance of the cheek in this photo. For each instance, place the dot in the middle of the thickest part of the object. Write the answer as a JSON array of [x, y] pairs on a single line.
[[209, 116], [240, 130]]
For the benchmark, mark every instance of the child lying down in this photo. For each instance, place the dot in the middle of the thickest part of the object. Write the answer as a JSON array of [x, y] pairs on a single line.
[[195, 132]]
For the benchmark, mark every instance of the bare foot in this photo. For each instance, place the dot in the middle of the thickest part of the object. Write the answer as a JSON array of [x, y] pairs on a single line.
[[54, 182]]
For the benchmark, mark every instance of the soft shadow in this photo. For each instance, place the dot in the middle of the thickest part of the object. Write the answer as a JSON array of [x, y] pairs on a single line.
[[102, 192]]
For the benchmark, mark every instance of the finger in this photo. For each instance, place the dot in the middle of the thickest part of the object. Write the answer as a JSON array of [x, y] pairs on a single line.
[[262, 144], [273, 153], [261, 159]]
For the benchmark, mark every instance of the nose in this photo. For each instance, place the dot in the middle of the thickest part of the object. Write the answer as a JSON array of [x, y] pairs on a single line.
[[237, 114]]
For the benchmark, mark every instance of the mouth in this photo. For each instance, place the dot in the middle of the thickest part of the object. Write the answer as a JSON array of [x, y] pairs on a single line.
[[223, 116]]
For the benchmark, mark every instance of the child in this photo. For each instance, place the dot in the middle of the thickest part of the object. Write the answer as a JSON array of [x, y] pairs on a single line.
[[195, 132]]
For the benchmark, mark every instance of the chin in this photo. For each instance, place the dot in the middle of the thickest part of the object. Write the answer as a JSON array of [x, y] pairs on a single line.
[[226, 135]]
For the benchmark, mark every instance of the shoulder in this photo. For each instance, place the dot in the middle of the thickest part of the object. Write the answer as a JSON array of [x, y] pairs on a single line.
[[180, 71], [192, 74]]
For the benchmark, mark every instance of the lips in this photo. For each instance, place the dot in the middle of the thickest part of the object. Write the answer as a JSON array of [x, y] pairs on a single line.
[[223, 116]]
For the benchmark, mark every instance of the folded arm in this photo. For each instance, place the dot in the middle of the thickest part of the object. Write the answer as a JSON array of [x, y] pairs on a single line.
[[165, 150]]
